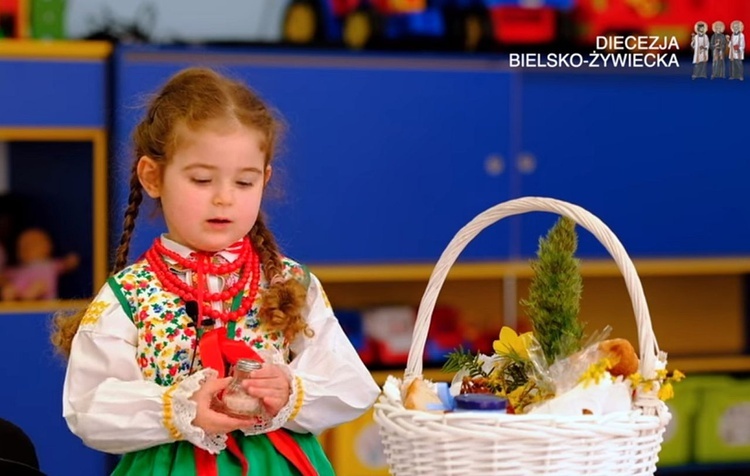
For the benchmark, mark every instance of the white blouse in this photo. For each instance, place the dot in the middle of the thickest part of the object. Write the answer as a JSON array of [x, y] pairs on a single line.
[[113, 407]]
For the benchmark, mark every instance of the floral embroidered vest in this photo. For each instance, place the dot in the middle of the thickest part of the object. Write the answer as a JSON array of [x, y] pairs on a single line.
[[165, 340]]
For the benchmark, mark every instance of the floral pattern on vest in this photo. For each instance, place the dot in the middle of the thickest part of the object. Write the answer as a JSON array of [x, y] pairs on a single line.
[[165, 339]]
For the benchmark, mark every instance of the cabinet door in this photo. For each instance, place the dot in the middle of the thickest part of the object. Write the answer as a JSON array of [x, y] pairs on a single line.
[[35, 402], [51, 93], [384, 158], [656, 157]]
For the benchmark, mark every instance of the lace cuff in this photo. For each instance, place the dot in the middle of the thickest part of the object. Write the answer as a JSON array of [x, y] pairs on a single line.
[[289, 410], [183, 411]]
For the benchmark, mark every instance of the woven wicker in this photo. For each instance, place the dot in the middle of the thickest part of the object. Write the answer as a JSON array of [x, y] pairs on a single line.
[[623, 443]]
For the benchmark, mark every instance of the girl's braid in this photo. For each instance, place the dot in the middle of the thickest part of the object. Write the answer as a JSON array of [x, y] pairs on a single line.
[[283, 301], [131, 214]]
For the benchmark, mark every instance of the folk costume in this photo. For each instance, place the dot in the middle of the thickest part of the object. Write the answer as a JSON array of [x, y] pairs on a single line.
[[139, 356]]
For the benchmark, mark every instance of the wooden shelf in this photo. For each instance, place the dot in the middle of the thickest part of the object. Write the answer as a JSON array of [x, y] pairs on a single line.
[[31, 307], [698, 364], [55, 49], [51, 134], [430, 374], [521, 269], [687, 365]]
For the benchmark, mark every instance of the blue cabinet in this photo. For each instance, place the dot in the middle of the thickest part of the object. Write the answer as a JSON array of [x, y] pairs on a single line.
[[657, 157], [32, 397], [384, 160], [53, 156], [386, 157], [50, 92]]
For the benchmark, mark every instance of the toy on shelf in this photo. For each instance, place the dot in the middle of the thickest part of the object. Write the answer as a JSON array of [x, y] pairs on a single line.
[[389, 329], [36, 276], [665, 19], [47, 19], [465, 24], [351, 322], [10, 19], [447, 332]]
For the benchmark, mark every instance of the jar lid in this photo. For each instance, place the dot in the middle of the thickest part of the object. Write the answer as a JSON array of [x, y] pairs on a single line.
[[480, 401], [246, 365]]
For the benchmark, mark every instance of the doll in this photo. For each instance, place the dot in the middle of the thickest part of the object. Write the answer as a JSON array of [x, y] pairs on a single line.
[[35, 277]]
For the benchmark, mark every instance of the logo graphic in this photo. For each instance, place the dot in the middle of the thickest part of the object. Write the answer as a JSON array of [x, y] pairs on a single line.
[[721, 47]]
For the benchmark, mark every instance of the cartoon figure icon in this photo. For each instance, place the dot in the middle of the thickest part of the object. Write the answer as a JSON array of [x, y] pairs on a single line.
[[719, 43], [737, 50], [700, 46]]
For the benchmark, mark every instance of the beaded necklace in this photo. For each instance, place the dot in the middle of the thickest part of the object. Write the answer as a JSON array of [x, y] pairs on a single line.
[[200, 264]]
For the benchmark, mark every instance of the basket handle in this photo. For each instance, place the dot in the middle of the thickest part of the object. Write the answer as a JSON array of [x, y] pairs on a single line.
[[649, 349]]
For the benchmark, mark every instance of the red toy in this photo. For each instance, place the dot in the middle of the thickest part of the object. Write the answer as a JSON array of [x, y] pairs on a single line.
[[10, 18], [663, 18]]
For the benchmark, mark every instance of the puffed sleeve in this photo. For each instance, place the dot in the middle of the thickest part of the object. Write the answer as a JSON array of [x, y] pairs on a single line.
[[331, 385], [106, 400]]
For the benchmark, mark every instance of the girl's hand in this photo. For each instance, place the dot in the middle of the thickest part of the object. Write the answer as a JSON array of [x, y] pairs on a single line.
[[271, 384], [211, 421]]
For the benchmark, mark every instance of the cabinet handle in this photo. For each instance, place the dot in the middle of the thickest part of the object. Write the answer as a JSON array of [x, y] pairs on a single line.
[[494, 165], [526, 163]]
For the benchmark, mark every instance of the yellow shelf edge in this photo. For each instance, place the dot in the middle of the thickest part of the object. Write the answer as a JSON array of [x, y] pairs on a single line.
[[522, 269], [50, 133], [431, 374], [696, 364], [687, 365], [55, 49], [30, 307]]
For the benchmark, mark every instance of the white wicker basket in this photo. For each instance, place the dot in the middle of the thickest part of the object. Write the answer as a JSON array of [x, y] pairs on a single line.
[[625, 443]]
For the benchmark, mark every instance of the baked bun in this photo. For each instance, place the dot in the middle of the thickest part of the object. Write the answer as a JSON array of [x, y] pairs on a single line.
[[418, 395], [622, 354]]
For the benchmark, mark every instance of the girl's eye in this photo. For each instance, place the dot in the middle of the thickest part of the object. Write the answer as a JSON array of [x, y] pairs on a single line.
[[244, 184], [200, 180]]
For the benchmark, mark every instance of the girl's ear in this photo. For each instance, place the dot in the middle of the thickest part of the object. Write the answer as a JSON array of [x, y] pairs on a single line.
[[267, 175], [149, 174]]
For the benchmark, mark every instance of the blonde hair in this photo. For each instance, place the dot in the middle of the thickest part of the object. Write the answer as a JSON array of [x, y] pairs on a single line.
[[193, 98]]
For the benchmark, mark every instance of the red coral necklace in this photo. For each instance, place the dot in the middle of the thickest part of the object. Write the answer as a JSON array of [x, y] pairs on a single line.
[[201, 264]]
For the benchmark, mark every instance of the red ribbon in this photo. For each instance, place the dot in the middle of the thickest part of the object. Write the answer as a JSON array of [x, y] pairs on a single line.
[[216, 350]]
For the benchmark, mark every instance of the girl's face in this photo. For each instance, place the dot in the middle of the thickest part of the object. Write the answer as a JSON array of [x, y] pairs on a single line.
[[211, 189]]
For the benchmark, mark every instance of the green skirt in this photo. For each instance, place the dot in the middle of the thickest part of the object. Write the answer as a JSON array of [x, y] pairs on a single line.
[[176, 459]]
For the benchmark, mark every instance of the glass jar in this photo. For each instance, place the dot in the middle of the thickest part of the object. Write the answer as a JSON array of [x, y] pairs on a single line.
[[235, 401]]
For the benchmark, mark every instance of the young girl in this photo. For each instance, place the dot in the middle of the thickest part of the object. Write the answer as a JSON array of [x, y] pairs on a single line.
[[153, 348]]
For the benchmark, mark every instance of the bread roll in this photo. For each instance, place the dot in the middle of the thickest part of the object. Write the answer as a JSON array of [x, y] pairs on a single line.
[[418, 395], [623, 356]]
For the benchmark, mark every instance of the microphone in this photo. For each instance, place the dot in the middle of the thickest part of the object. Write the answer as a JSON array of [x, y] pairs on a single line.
[[191, 309]]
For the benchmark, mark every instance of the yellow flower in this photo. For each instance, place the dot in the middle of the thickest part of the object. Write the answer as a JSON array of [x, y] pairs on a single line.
[[595, 372], [666, 392], [635, 379], [515, 396], [677, 376], [495, 379], [510, 342]]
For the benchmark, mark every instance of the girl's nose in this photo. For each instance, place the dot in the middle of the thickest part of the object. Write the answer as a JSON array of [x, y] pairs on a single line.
[[223, 196]]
